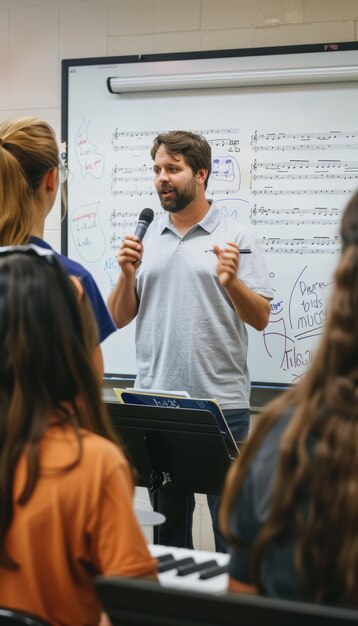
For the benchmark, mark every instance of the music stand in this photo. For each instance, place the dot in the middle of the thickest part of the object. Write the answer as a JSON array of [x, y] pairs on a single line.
[[174, 448]]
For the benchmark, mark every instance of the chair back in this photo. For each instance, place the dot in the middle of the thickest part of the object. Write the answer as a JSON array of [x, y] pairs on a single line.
[[134, 602], [12, 617]]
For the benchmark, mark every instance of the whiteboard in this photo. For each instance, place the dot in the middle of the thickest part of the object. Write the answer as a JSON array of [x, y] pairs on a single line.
[[285, 160]]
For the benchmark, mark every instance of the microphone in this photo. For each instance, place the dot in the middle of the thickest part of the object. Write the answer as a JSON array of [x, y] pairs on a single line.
[[145, 218]]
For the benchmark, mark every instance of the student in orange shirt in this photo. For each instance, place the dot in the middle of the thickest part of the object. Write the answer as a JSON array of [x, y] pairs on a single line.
[[65, 484]]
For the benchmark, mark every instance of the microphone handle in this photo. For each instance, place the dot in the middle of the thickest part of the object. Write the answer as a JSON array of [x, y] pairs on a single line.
[[141, 229]]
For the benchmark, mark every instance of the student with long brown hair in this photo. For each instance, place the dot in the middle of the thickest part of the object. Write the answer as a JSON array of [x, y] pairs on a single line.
[[290, 507], [66, 486], [30, 173]]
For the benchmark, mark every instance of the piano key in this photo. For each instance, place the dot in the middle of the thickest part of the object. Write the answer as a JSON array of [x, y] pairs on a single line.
[[211, 572], [184, 570], [165, 557], [215, 584], [174, 564]]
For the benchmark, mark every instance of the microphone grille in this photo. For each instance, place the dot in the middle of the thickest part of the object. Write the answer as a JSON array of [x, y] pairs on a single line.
[[147, 216]]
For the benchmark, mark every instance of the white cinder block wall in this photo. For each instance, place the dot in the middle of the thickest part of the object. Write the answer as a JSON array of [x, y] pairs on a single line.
[[36, 34]]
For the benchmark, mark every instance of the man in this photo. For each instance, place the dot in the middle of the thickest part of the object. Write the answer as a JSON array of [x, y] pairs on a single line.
[[191, 293]]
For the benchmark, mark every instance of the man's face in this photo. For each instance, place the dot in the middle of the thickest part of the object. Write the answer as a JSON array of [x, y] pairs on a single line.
[[174, 181]]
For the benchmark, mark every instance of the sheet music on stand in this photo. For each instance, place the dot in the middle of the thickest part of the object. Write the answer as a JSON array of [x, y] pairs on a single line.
[[173, 400]]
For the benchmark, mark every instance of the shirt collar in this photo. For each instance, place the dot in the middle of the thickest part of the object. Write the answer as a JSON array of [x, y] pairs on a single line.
[[208, 223], [39, 242], [211, 219]]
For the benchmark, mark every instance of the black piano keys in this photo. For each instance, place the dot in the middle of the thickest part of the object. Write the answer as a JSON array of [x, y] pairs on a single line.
[[191, 568], [166, 566], [211, 572]]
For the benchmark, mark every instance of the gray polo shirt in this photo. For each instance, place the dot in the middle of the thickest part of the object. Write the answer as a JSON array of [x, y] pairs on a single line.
[[188, 335]]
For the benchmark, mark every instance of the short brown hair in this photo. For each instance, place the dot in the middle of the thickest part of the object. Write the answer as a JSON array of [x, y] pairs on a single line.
[[194, 148]]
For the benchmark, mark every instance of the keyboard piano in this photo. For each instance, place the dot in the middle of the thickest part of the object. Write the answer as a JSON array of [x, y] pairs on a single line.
[[172, 574]]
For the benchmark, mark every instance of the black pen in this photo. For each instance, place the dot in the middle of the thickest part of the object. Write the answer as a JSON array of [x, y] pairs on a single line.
[[241, 251]]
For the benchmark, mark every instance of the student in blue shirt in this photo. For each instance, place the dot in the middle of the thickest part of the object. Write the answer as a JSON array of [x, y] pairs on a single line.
[[290, 504], [30, 173]]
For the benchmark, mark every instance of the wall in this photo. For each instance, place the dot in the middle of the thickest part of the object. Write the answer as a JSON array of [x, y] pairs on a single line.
[[36, 34]]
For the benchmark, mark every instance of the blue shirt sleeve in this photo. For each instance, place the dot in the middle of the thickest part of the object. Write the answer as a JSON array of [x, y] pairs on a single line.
[[105, 323], [244, 527]]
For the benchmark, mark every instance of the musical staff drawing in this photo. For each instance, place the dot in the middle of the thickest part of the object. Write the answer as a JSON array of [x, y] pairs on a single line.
[[308, 170], [123, 219], [316, 176], [314, 245], [216, 137], [288, 147], [320, 164], [143, 147], [294, 216], [133, 191], [153, 133], [115, 241], [270, 191], [325, 164], [332, 140], [116, 169], [327, 136], [126, 179]]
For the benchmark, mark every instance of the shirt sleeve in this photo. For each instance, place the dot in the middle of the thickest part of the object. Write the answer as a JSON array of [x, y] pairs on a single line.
[[105, 323], [252, 267], [118, 545], [245, 528]]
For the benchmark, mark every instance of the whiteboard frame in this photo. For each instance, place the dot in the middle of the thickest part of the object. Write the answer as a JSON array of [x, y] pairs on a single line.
[[336, 55]]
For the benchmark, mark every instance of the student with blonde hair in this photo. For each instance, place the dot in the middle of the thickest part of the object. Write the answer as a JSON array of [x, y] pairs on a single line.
[[30, 172], [290, 505], [66, 487]]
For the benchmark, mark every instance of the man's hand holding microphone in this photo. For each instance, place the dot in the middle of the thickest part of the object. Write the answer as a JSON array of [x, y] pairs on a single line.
[[131, 250]]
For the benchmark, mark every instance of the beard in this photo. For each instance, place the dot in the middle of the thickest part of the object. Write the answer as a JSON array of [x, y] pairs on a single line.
[[180, 199]]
